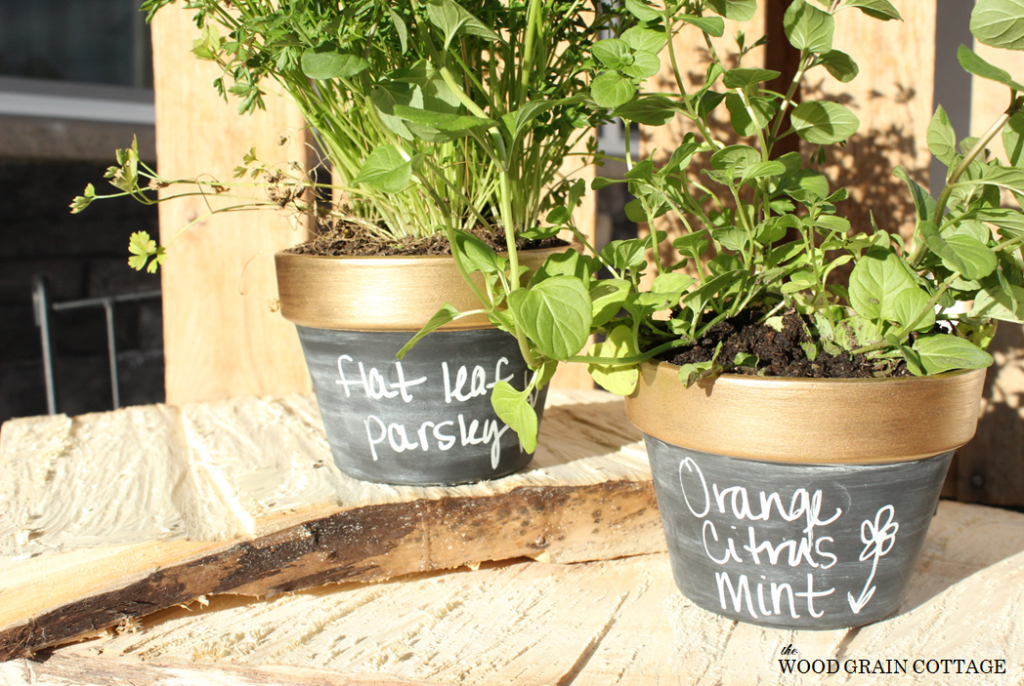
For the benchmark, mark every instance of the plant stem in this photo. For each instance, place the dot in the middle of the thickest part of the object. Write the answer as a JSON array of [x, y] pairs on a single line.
[[958, 171]]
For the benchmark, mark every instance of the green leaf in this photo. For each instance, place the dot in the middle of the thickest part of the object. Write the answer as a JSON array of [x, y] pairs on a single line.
[[976, 259], [143, 248], [452, 18], [709, 100], [878, 9], [651, 110], [613, 53], [808, 28], [647, 40], [386, 170], [1013, 139], [555, 314], [1006, 304], [840, 65], [641, 10], [743, 124], [442, 121], [690, 374], [568, 263], [911, 303], [692, 244], [400, 28], [941, 137], [824, 123], [645, 65], [999, 23], [443, 316], [943, 352], [878, 277], [611, 90], [713, 26], [479, 256], [607, 298], [737, 10], [923, 201], [635, 211], [1010, 178], [513, 407], [760, 170], [517, 121], [741, 78], [624, 254], [738, 157], [671, 282], [327, 62], [618, 379], [807, 182], [959, 252], [746, 360], [977, 65]]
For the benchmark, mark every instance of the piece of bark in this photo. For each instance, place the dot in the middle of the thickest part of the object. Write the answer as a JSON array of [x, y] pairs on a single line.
[[117, 515], [591, 624]]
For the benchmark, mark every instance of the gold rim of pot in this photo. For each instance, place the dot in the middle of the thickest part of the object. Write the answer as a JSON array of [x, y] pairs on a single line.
[[831, 421], [381, 293]]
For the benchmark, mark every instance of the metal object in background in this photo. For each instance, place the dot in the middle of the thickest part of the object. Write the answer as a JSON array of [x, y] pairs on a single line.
[[43, 308]]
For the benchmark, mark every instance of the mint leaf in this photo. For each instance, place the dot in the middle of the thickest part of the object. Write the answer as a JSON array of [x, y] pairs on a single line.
[[513, 407], [555, 314]]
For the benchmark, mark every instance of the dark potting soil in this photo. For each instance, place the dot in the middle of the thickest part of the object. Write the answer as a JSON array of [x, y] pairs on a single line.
[[779, 352], [352, 241]]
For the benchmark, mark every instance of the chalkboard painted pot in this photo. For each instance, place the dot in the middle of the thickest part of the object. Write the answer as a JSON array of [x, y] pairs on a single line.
[[800, 503], [425, 420]]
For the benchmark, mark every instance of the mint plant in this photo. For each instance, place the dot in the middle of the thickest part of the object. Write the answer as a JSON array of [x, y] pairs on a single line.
[[739, 215], [764, 232]]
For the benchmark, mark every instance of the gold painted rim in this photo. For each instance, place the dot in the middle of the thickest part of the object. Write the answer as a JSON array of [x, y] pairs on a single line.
[[825, 421], [381, 293]]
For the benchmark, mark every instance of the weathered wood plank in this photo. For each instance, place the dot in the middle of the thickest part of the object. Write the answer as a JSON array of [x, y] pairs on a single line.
[[242, 496], [591, 624], [222, 334]]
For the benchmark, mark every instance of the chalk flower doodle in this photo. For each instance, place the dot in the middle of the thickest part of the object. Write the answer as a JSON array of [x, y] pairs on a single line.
[[878, 539]]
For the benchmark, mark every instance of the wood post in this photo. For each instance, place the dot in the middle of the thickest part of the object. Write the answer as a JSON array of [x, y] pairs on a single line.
[[222, 335]]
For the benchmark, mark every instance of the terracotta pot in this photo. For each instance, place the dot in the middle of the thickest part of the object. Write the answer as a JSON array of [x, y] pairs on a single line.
[[427, 419], [800, 503]]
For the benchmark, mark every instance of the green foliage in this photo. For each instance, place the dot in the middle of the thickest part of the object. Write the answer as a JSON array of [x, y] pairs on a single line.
[[763, 232]]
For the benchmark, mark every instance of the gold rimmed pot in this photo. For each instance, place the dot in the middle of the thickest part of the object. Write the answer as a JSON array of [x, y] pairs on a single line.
[[800, 503], [424, 420]]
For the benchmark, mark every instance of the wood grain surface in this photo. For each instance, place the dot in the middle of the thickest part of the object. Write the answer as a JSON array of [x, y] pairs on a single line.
[[222, 335], [112, 516], [590, 624]]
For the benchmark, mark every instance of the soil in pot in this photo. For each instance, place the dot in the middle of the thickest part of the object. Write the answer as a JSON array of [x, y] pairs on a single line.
[[349, 240], [781, 353]]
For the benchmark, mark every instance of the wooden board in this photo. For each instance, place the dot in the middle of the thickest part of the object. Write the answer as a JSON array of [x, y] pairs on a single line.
[[592, 624], [892, 97], [112, 516], [222, 335]]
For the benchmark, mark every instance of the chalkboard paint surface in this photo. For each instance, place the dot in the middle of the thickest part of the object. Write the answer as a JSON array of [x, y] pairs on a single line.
[[424, 420], [795, 546]]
